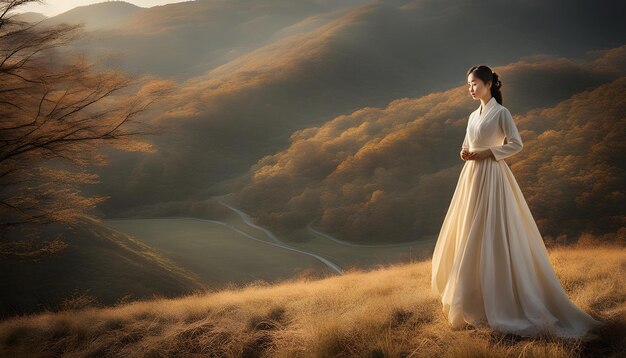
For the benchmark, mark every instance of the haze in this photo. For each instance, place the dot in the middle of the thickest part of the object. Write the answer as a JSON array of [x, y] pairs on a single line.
[[55, 7]]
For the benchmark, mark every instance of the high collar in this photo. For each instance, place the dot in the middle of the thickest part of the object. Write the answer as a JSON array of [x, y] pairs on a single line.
[[492, 102]]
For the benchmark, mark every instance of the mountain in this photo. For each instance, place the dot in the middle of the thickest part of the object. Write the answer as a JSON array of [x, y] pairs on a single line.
[[255, 75], [184, 39], [102, 15], [272, 75], [387, 174], [29, 16]]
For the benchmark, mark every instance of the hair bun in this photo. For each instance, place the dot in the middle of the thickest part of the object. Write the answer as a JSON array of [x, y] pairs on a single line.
[[496, 80]]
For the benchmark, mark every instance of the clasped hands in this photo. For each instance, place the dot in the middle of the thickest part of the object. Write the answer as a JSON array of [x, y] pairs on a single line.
[[478, 155]]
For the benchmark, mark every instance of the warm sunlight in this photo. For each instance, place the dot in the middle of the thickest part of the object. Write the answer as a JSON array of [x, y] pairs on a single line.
[[319, 178]]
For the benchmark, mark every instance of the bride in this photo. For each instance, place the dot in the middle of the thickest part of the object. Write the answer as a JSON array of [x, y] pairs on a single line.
[[490, 266]]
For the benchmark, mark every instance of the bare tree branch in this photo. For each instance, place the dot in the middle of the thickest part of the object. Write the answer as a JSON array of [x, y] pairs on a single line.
[[61, 113]]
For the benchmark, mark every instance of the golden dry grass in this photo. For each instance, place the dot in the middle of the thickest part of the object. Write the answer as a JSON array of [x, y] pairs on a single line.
[[388, 312]]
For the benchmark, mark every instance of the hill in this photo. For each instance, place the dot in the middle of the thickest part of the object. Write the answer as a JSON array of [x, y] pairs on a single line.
[[311, 70], [389, 311], [94, 264], [266, 81], [29, 16], [97, 16], [387, 174]]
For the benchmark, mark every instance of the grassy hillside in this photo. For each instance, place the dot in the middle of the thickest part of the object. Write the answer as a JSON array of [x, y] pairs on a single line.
[[388, 312], [96, 264], [216, 253]]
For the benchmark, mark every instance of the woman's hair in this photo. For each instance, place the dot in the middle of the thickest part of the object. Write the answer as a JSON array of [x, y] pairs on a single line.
[[485, 74]]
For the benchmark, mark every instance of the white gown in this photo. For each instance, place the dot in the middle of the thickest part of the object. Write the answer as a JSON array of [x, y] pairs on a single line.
[[490, 266]]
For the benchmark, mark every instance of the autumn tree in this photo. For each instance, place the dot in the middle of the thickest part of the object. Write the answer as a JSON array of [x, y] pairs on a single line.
[[57, 114]]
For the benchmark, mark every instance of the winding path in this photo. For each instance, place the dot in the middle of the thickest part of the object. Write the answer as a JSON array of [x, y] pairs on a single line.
[[277, 242], [281, 244]]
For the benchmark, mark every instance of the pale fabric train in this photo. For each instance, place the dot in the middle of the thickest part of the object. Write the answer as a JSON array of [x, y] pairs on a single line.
[[490, 266]]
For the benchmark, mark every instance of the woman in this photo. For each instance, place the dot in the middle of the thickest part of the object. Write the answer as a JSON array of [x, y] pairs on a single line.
[[490, 266]]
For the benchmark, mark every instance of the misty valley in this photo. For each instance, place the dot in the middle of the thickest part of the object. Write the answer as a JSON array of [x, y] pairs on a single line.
[[232, 250]]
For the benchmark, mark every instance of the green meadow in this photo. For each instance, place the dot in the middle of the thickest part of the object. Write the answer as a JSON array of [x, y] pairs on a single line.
[[231, 249]]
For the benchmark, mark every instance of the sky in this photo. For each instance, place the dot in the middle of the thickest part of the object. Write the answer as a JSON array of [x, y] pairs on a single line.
[[55, 7]]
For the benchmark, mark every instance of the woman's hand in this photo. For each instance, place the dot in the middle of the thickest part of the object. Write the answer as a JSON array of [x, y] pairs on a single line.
[[480, 155], [466, 155]]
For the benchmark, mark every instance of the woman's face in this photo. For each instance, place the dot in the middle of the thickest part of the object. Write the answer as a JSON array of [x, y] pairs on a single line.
[[477, 88]]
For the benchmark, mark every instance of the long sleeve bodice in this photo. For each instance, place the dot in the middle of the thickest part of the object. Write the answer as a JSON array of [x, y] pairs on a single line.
[[495, 129]]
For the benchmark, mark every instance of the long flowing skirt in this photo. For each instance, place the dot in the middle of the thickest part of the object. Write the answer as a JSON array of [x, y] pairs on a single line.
[[490, 266]]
